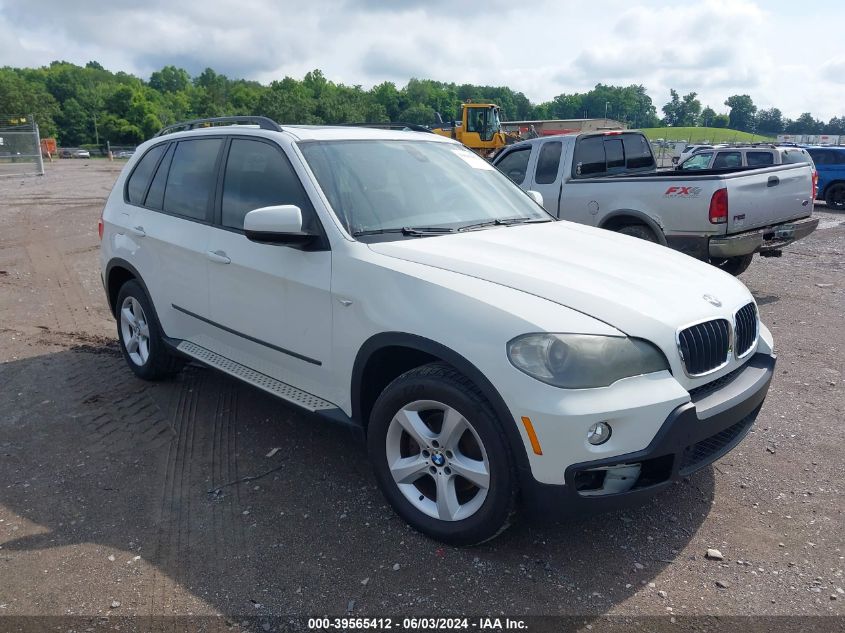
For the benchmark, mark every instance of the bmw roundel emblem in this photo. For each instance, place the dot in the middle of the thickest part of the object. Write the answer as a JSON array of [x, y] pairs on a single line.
[[712, 300]]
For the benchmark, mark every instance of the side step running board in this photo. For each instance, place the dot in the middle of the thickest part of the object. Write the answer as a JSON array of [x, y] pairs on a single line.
[[257, 379]]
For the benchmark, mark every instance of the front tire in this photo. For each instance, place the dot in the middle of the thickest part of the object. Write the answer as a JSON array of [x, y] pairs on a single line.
[[440, 456], [834, 197], [139, 333]]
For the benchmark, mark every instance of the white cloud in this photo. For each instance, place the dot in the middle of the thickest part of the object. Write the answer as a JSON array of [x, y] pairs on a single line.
[[714, 47]]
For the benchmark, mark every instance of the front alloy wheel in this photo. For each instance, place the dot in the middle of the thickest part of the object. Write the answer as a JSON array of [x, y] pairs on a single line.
[[437, 460], [441, 456]]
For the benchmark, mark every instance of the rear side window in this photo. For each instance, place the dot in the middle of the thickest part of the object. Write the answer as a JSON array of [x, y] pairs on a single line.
[[139, 181], [589, 156], [758, 159], [548, 163], [257, 175], [514, 165], [191, 179], [727, 160], [637, 152]]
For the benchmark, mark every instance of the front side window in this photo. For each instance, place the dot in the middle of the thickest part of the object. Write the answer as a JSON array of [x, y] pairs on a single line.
[[139, 181], [759, 159], [548, 163], [697, 161], [191, 179], [514, 165], [727, 160], [257, 175], [378, 185]]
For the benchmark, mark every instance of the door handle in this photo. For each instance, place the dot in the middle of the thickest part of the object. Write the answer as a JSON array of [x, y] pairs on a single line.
[[218, 257], [773, 181], [138, 231]]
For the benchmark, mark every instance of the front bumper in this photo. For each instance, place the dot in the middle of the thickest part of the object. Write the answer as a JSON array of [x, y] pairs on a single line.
[[769, 238], [695, 434]]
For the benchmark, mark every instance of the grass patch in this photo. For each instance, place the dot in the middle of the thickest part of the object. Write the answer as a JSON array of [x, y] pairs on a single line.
[[704, 135]]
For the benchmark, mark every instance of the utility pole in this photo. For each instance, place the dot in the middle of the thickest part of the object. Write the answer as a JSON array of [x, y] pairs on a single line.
[[96, 133], [606, 104]]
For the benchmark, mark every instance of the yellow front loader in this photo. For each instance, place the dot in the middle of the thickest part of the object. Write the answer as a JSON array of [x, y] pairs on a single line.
[[479, 128]]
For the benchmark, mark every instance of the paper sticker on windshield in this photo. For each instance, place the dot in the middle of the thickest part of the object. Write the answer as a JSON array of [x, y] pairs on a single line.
[[473, 160]]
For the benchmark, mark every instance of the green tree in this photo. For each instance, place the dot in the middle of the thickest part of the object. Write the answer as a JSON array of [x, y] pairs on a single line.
[[741, 116], [170, 79], [770, 121], [708, 114]]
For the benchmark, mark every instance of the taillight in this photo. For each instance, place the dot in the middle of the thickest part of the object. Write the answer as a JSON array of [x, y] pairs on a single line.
[[815, 185], [719, 206], [100, 228]]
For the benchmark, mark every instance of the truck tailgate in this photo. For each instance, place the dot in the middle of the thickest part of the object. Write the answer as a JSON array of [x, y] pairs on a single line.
[[763, 197]]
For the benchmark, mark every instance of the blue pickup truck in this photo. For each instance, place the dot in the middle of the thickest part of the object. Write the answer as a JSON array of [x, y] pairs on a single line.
[[830, 165]]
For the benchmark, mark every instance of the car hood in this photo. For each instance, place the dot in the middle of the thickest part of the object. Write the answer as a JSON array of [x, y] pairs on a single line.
[[632, 285]]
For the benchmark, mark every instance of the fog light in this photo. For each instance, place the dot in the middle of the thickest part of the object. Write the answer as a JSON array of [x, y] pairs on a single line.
[[599, 433]]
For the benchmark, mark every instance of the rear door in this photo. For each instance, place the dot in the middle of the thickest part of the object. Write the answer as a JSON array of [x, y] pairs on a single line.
[[768, 196], [170, 221], [270, 303]]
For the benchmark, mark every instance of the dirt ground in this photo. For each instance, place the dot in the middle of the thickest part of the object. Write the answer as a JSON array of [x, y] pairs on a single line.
[[105, 506]]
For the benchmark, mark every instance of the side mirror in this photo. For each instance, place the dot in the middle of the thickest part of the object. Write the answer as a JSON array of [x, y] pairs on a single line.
[[536, 196], [280, 224]]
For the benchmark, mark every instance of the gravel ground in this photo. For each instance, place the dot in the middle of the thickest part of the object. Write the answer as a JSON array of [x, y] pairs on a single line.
[[104, 479]]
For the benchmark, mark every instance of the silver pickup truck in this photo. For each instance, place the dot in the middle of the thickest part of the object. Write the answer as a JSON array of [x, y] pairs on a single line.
[[609, 180]]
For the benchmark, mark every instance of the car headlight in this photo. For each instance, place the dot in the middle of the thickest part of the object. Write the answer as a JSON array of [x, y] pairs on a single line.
[[580, 361]]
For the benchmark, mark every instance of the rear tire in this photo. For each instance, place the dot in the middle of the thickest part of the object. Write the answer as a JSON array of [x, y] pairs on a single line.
[[640, 231], [140, 336], [441, 457], [733, 265], [834, 197]]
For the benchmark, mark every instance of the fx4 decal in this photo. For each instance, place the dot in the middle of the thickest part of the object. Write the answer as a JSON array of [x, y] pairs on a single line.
[[682, 192]]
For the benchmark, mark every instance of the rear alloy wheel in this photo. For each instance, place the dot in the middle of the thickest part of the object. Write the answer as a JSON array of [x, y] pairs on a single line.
[[441, 457], [140, 335], [834, 198]]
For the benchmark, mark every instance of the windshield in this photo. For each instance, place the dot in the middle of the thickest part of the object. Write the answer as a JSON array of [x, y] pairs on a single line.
[[377, 185]]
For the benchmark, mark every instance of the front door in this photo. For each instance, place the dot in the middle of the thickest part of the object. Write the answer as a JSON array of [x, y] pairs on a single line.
[[270, 303]]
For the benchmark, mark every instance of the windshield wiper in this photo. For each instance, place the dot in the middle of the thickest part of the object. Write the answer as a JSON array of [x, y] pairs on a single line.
[[407, 230], [503, 222]]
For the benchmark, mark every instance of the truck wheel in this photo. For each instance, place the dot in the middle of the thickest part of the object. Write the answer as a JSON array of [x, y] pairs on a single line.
[[834, 198], [140, 335], [733, 265], [440, 456], [638, 230]]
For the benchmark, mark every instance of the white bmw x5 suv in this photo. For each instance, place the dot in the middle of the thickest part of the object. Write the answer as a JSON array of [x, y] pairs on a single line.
[[492, 356]]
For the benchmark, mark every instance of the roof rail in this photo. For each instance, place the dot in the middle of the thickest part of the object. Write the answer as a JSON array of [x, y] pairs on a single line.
[[261, 121], [412, 127]]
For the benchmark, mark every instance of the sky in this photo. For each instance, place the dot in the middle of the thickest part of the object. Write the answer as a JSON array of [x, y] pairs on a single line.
[[784, 54]]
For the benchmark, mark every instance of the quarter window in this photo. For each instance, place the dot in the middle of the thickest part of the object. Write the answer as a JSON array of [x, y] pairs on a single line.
[[190, 181], [139, 181], [548, 163], [257, 175], [514, 165], [155, 197]]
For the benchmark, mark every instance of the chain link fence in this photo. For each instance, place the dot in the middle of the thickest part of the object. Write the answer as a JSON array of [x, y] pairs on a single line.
[[20, 146]]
